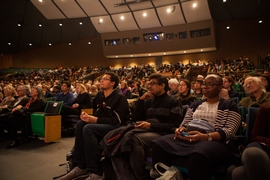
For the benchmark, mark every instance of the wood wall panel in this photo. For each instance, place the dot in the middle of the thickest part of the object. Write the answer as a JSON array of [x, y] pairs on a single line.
[[244, 38]]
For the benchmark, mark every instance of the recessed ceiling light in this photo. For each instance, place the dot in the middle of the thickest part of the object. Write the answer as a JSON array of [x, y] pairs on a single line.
[[164, 53], [201, 49], [19, 24], [89, 42], [60, 24], [100, 20], [80, 23], [9, 43], [69, 44], [40, 0], [228, 27], [194, 5], [185, 51], [149, 54], [122, 17], [131, 55], [116, 56], [224, 0], [260, 21], [50, 44], [30, 44], [144, 14], [40, 25]]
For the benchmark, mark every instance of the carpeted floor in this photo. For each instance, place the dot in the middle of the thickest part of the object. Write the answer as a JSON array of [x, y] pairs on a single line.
[[36, 160]]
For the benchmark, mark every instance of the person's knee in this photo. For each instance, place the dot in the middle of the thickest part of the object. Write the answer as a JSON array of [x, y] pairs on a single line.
[[253, 155]]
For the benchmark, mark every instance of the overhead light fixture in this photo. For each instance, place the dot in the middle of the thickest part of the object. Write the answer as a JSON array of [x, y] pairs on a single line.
[[69, 43], [144, 14], [228, 27], [40, 24], [194, 5], [122, 17], [19, 24], [60, 24], [201, 49], [89, 42], [260, 21], [100, 20], [50, 44], [224, 0], [164, 53], [9, 43], [116, 56], [30, 44], [170, 10], [80, 22]]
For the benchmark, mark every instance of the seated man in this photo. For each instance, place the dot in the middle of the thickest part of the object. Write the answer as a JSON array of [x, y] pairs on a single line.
[[110, 110], [199, 142], [156, 114], [65, 95]]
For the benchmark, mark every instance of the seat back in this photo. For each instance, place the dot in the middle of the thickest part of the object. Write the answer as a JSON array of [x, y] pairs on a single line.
[[251, 118], [53, 107]]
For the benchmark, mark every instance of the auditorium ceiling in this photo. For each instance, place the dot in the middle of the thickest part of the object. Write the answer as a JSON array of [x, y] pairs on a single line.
[[28, 24]]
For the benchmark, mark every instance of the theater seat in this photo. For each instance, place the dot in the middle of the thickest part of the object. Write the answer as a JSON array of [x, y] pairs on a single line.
[[47, 124]]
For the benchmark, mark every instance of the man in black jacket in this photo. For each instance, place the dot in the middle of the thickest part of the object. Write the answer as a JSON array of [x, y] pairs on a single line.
[[156, 114], [110, 110]]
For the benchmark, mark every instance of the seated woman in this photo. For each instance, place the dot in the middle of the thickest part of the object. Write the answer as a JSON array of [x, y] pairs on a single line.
[[198, 149], [125, 89], [254, 87], [137, 91], [185, 95], [256, 157], [266, 82], [20, 117], [9, 92], [83, 100], [228, 84]]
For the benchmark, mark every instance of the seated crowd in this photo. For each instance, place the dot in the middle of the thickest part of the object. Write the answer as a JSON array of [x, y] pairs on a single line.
[[165, 116]]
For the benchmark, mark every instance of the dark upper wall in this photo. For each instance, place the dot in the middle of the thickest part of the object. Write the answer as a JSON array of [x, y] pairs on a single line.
[[245, 37]]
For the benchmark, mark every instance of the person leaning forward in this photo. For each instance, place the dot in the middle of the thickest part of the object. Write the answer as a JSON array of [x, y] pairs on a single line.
[[156, 114], [110, 111]]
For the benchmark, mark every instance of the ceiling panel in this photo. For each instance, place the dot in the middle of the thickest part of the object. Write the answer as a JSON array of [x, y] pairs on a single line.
[[105, 26], [125, 22], [173, 17], [92, 7], [163, 3], [48, 9], [110, 6], [141, 5], [199, 13], [70, 8], [148, 21]]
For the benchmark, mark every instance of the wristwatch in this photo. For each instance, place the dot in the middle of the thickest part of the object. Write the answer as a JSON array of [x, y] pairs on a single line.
[[209, 137]]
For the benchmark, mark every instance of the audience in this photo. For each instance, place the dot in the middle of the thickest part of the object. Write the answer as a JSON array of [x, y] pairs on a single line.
[[173, 85], [228, 84], [125, 89], [199, 149], [155, 114], [110, 111], [9, 93], [20, 116], [198, 89]]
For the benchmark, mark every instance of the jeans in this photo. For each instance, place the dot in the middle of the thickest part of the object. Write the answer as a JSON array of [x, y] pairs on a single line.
[[87, 149], [132, 166]]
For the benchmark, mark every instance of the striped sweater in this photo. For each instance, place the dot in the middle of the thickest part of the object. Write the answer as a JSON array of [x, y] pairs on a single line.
[[227, 121]]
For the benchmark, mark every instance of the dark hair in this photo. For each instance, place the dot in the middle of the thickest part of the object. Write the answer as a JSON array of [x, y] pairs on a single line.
[[268, 81], [230, 79], [114, 78], [67, 83], [188, 85], [161, 80]]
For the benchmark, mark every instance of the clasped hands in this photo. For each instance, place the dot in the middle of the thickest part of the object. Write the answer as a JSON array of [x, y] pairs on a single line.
[[88, 118], [191, 136]]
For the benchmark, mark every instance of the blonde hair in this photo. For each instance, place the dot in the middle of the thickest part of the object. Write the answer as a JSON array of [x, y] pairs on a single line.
[[10, 89], [82, 86]]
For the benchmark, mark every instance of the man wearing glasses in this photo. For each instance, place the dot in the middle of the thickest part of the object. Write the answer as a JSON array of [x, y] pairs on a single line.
[[156, 114], [110, 111]]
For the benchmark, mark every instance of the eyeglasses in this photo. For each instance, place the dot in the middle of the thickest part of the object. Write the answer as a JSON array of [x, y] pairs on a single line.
[[105, 79], [152, 83], [209, 84]]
